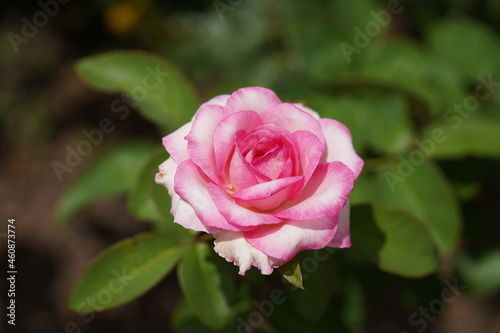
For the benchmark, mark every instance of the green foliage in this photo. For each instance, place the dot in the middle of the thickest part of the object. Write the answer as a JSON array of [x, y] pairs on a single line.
[[354, 306], [162, 93], [141, 202], [291, 272], [481, 275], [393, 95], [383, 235], [320, 280], [474, 136], [125, 271], [201, 283], [423, 191], [113, 173], [149, 202], [468, 45]]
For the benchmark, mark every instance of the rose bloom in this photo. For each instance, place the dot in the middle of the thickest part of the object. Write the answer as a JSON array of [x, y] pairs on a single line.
[[268, 179]]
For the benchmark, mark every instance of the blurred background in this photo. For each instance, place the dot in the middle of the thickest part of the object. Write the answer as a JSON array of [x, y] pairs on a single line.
[[409, 60]]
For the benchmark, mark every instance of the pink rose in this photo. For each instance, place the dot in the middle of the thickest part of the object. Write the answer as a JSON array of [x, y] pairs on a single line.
[[268, 179]]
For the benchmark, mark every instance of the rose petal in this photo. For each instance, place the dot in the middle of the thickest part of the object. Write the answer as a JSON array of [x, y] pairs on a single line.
[[192, 187], [269, 195], [308, 110], [339, 145], [183, 212], [273, 161], [220, 100], [269, 136], [255, 99], [225, 134], [234, 248], [342, 237], [293, 119], [323, 196], [200, 144], [285, 240], [176, 144], [241, 174], [237, 215], [311, 149]]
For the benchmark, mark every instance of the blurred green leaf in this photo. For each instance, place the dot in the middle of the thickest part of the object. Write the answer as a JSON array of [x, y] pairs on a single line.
[[397, 61], [351, 13], [163, 94], [393, 240], [468, 45], [140, 200], [403, 66], [201, 283], [482, 275], [363, 191], [319, 280], [378, 121], [125, 271], [312, 48], [112, 174], [291, 272], [465, 137], [389, 128], [183, 320], [282, 317], [151, 202], [444, 82], [349, 111], [417, 186], [227, 274], [354, 308]]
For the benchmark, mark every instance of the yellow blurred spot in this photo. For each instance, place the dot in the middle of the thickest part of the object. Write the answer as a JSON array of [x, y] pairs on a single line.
[[123, 17]]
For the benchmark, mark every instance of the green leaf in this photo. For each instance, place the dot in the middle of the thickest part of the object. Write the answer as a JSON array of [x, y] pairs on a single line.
[[112, 174], [417, 186], [291, 272], [482, 275], [354, 309], [362, 191], [282, 317], [151, 202], [464, 137], [201, 284], [125, 271], [319, 279], [393, 240], [140, 200], [471, 47], [351, 112], [378, 121], [400, 66], [183, 320], [388, 126], [162, 93]]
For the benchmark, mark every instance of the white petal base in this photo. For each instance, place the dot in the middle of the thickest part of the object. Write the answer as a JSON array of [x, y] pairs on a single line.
[[234, 248]]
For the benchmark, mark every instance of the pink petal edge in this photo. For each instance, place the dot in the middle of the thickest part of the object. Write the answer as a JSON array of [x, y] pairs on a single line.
[[339, 145]]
